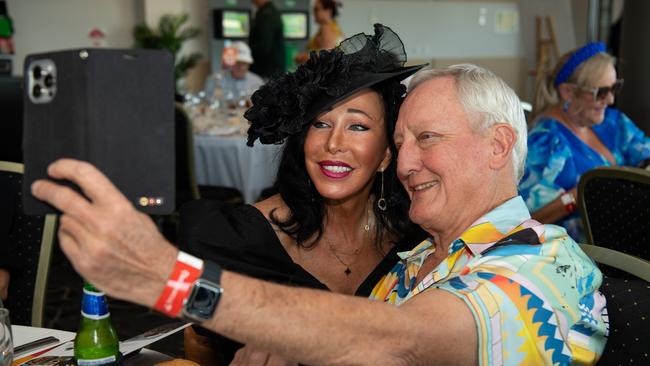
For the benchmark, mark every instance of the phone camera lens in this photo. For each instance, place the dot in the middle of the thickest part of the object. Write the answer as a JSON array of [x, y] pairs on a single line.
[[36, 91], [49, 80], [37, 72]]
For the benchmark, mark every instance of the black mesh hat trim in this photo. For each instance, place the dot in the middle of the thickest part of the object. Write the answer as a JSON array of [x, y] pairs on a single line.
[[285, 104]]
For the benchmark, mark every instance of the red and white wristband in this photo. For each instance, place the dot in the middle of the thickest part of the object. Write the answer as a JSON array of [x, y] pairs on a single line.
[[187, 270], [568, 201]]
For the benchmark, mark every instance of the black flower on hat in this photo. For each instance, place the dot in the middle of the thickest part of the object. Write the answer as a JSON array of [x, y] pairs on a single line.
[[285, 104]]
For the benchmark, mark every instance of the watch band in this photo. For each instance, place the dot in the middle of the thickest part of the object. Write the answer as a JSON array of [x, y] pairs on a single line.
[[187, 269], [212, 272]]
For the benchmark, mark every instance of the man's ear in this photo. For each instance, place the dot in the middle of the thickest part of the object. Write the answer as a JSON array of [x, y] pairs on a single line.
[[503, 141], [386, 161]]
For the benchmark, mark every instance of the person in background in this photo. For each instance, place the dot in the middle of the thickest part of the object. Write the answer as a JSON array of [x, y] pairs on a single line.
[[266, 40], [575, 130], [490, 286], [341, 215], [329, 33], [238, 80]]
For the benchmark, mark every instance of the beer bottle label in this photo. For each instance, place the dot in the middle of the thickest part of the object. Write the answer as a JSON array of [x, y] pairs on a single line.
[[97, 362], [94, 305]]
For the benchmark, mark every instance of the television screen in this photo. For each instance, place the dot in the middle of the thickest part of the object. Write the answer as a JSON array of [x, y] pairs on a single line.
[[231, 23], [295, 24]]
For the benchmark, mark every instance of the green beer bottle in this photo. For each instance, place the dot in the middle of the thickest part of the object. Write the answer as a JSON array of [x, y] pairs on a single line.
[[96, 342]]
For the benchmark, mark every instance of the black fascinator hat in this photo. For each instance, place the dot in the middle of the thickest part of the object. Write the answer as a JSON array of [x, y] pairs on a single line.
[[283, 105]]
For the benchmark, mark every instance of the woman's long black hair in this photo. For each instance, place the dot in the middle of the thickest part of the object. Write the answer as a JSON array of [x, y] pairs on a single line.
[[307, 205]]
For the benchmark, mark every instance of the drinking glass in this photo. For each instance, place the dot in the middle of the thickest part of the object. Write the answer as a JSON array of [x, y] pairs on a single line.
[[6, 345]]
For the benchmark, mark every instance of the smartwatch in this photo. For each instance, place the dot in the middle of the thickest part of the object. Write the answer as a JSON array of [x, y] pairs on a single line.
[[205, 294]]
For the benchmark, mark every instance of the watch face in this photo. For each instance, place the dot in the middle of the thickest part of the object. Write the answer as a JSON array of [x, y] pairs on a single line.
[[203, 300]]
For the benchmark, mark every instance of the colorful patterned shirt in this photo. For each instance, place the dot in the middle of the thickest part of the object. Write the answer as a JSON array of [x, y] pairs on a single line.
[[557, 158], [532, 291]]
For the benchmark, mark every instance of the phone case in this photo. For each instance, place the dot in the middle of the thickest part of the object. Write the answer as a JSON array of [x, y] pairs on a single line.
[[111, 107]]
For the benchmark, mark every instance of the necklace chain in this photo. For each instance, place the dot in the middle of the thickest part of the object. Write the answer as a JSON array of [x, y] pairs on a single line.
[[355, 253]]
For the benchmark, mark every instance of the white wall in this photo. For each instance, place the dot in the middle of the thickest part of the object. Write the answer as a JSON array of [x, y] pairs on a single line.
[[561, 13], [46, 25], [198, 17], [436, 29], [430, 29]]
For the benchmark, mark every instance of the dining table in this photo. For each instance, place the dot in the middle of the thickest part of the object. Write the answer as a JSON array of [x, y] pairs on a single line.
[[222, 158], [63, 347]]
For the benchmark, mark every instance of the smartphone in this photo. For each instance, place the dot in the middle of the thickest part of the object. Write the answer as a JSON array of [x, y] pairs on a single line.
[[111, 107]]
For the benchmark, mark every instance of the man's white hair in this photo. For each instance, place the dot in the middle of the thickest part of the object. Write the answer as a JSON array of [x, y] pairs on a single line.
[[481, 92]]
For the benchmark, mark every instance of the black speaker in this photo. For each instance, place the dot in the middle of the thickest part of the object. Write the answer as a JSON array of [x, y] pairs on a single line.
[[113, 108]]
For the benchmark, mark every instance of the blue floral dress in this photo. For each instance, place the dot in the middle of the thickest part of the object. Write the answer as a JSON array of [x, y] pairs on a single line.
[[557, 158]]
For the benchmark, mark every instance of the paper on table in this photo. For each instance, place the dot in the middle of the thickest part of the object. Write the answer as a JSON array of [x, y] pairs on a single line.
[[132, 344], [24, 334], [142, 340]]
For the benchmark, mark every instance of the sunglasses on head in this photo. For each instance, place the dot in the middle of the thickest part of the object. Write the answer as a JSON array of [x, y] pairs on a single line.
[[602, 92]]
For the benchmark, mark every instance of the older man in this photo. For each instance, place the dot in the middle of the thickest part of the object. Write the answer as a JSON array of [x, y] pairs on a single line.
[[238, 81], [491, 286]]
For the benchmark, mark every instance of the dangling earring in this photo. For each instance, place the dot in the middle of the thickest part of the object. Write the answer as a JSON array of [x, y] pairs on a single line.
[[565, 106], [381, 202]]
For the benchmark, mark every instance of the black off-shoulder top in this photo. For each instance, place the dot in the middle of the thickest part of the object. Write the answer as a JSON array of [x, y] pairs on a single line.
[[240, 239]]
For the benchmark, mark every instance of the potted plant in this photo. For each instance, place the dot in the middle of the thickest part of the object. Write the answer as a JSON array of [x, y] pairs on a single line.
[[170, 36]]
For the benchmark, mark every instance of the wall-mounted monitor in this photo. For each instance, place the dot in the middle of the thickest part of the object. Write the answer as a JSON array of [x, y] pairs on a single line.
[[231, 23], [295, 24]]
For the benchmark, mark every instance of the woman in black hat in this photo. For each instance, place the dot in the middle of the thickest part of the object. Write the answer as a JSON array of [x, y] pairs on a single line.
[[340, 215]]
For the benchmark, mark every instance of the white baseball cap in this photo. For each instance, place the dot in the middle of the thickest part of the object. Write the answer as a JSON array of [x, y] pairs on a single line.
[[243, 52]]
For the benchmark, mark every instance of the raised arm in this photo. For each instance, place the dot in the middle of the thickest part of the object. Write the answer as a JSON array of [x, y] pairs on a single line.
[[120, 251]]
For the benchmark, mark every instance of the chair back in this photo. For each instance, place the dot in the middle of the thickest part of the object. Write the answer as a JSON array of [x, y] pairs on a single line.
[[628, 307], [11, 128], [615, 206], [186, 187], [29, 250]]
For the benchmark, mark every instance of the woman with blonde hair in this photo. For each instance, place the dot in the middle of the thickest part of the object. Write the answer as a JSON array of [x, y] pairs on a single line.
[[575, 130]]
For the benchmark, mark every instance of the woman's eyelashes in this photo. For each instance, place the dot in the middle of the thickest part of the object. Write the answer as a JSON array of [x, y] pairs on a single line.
[[320, 124], [353, 126], [359, 127]]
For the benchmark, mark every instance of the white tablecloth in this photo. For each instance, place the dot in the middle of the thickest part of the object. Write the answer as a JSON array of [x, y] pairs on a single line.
[[227, 161]]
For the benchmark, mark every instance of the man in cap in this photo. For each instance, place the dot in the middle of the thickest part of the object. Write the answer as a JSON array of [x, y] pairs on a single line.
[[237, 81]]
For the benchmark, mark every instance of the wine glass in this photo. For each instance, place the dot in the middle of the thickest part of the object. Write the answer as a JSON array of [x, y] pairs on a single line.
[[6, 345]]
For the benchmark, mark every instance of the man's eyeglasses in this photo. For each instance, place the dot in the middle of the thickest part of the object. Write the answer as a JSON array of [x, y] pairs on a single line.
[[602, 92]]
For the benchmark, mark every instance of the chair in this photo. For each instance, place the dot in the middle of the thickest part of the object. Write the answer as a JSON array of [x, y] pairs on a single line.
[[11, 128], [628, 307], [29, 251], [187, 188], [614, 204]]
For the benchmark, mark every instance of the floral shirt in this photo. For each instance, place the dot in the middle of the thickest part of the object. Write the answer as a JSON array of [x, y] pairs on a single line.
[[532, 291], [557, 158]]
